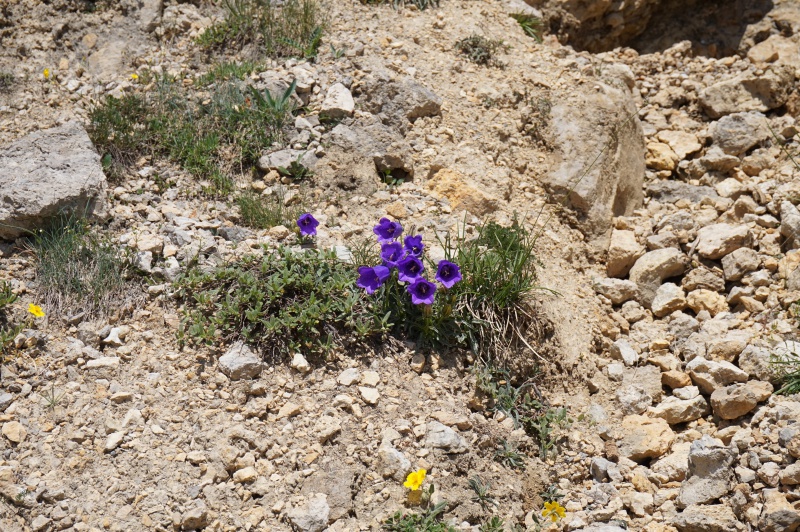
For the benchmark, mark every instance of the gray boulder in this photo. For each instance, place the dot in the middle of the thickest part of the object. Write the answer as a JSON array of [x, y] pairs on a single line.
[[48, 172], [739, 132], [312, 516], [710, 472], [397, 103], [240, 362]]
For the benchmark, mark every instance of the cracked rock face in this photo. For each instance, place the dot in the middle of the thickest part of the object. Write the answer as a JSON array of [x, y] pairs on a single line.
[[46, 173]]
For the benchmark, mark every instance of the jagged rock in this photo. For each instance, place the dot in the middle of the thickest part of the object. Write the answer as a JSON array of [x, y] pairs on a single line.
[[777, 515], [461, 193], [755, 361], [399, 102], [703, 278], [669, 298], [710, 375], [652, 268], [644, 437], [674, 466], [622, 350], [661, 157], [613, 184], [618, 291], [710, 473], [376, 145], [633, 399], [283, 159], [45, 173], [240, 362], [737, 400], [740, 262], [338, 102], [14, 431], [441, 436], [790, 224], [712, 302], [674, 410], [394, 462], [623, 251], [671, 191], [311, 516], [790, 476], [716, 241], [749, 92], [711, 518]]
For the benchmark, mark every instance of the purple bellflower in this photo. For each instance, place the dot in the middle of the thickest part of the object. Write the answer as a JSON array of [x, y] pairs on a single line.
[[421, 291], [448, 273], [410, 268], [387, 230], [414, 245], [307, 224], [392, 253], [370, 279]]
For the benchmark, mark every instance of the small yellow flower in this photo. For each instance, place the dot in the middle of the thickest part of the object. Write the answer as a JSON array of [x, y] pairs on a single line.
[[134, 76], [553, 511], [46, 73], [415, 480], [36, 310]]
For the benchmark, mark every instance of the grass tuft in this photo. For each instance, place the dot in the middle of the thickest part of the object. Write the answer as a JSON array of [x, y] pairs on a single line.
[[291, 28], [80, 270], [260, 212], [421, 5], [786, 365], [7, 331], [530, 24], [6, 81]]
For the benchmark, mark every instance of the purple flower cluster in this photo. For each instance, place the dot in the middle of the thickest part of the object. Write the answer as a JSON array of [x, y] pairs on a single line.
[[406, 258]]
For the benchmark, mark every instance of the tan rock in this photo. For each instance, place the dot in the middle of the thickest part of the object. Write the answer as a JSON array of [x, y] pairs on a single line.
[[14, 431], [623, 251], [461, 194], [682, 143], [675, 379], [661, 157], [397, 210], [777, 514], [717, 240], [644, 437], [790, 475], [739, 399], [702, 299]]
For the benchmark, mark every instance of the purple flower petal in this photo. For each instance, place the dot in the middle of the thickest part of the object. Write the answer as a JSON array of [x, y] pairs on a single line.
[[387, 230], [392, 253], [422, 291], [414, 245], [370, 279], [448, 273], [307, 224], [410, 268]]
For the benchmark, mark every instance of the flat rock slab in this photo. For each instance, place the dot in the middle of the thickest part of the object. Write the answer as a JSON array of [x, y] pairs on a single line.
[[45, 173]]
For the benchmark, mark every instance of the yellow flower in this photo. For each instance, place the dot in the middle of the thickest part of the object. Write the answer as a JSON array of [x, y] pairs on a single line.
[[415, 480], [46, 73], [134, 76], [36, 310], [553, 511]]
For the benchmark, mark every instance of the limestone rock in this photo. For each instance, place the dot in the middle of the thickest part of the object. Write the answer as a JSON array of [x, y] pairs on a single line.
[[644, 437], [394, 462], [739, 263], [777, 515], [755, 361], [790, 224], [623, 251], [338, 102], [710, 473], [613, 184], [710, 375], [790, 475], [461, 193], [749, 92], [671, 191], [683, 143], [652, 268], [674, 410], [716, 241], [45, 173], [713, 302], [196, 518], [711, 518], [311, 516], [669, 298], [283, 159], [400, 102], [618, 291], [737, 400], [661, 157], [14, 431], [622, 350], [675, 465], [633, 399], [443, 437], [240, 362]]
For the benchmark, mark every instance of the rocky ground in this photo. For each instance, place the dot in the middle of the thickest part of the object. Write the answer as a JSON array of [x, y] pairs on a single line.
[[674, 256]]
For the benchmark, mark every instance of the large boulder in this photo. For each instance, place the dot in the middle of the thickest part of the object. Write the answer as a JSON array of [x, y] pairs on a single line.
[[598, 156], [749, 92], [46, 173]]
